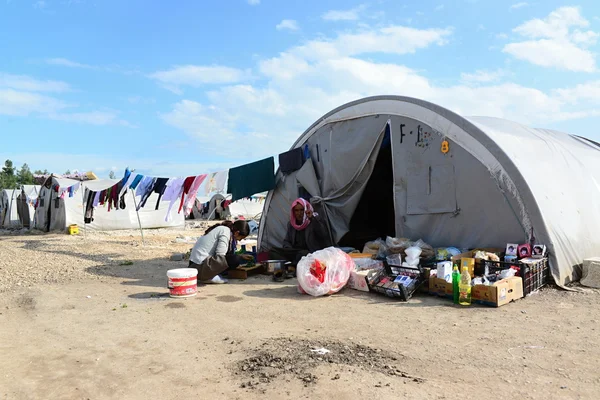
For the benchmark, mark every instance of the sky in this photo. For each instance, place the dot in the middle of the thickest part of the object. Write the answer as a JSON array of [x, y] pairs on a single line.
[[201, 86]]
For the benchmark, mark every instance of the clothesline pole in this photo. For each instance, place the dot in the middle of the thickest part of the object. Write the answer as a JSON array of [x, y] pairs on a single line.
[[138, 218], [84, 204]]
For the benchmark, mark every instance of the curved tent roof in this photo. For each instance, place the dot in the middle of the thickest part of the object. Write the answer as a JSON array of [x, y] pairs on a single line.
[[507, 177]]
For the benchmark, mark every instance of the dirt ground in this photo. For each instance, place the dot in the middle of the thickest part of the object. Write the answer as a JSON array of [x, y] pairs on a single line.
[[89, 318]]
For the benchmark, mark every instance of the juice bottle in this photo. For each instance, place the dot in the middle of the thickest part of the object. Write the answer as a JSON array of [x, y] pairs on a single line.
[[464, 287], [455, 282]]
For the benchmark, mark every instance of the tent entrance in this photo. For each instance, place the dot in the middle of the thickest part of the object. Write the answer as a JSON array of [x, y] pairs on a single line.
[[374, 216]]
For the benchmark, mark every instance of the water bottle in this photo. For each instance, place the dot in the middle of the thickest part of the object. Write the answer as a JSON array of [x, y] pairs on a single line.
[[464, 288], [455, 283]]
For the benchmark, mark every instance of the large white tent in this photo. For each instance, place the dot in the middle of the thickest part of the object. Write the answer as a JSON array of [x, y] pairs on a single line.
[[54, 213], [403, 167]]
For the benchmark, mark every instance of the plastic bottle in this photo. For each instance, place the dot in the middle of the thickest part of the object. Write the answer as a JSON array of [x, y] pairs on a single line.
[[455, 282], [465, 288]]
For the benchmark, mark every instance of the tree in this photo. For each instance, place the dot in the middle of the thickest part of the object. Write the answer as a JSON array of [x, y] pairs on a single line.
[[25, 177], [40, 172], [68, 172], [8, 179], [112, 175]]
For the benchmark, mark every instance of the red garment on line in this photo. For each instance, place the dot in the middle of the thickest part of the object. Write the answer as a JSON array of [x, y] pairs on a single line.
[[187, 184]]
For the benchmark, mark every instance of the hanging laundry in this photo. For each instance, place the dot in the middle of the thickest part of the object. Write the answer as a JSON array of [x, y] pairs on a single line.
[[172, 193], [128, 183], [251, 178], [191, 197], [113, 198], [96, 199], [216, 182], [187, 184], [159, 188], [136, 181], [102, 198], [291, 161], [145, 190], [89, 206]]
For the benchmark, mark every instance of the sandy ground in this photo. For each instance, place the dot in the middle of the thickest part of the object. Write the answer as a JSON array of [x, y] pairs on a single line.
[[79, 321]]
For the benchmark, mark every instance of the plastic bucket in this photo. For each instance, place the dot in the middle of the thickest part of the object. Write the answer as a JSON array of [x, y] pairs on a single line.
[[182, 282]]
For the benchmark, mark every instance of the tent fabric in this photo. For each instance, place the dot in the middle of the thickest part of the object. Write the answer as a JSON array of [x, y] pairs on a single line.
[[16, 210], [500, 182], [71, 210]]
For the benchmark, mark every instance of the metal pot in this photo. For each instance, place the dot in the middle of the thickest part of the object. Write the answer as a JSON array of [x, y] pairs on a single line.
[[274, 265]]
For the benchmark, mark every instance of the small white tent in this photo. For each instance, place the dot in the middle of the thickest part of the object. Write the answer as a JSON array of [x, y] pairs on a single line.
[[54, 213], [249, 208], [16, 206]]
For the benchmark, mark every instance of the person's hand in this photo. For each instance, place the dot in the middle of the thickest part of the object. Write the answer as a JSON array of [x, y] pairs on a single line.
[[309, 213], [247, 257]]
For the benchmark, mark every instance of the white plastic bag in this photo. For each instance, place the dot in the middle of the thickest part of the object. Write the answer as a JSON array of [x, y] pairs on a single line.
[[324, 272]]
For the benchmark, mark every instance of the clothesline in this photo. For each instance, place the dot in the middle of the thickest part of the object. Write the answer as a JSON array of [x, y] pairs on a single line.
[[242, 182]]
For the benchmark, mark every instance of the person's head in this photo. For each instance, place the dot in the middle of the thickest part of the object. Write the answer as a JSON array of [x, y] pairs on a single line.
[[240, 229], [298, 217], [298, 211]]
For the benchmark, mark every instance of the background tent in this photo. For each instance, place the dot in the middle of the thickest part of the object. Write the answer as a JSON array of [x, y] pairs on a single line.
[[16, 206], [249, 208], [54, 213], [378, 169]]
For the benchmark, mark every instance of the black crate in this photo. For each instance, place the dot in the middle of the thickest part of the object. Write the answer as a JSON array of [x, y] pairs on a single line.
[[397, 291], [535, 275]]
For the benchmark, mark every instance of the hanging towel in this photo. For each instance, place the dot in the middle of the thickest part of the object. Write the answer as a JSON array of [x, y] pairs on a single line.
[[159, 188], [102, 197], [291, 161], [187, 184], [89, 206], [252, 178], [136, 181], [216, 182], [191, 197], [172, 193]]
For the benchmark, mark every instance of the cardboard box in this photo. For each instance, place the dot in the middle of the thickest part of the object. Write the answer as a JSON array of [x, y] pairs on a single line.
[[439, 287], [456, 260], [358, 280], [498, 294]]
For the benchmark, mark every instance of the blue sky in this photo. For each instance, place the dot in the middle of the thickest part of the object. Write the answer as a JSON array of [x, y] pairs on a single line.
[[205, 85]]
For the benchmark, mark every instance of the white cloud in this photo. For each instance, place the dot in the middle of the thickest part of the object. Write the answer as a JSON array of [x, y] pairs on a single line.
[[439, 7], [516, 6], [482, 76], [67, 63], [254, 2], [556, 42], [306, 81], [196, 76], [20, 103], [501, 36], [20, 96], [397, 40], [287, 24], [344, 15], [23, 82], [582, 93]]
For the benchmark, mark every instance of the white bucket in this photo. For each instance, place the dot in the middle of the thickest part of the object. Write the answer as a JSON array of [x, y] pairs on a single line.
[[182, 282]]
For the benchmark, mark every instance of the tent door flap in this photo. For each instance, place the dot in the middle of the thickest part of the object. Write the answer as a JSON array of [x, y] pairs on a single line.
[[431, 190]]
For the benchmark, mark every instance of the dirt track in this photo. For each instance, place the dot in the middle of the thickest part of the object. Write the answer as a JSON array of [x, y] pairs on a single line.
[[82, 324]]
